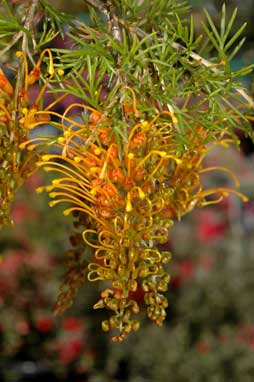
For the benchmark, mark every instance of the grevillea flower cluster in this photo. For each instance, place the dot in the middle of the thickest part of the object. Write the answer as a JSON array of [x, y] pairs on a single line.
[[127, 195], [17, 114]]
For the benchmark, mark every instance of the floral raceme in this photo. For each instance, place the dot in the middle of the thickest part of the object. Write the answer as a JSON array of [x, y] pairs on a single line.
[[17, 115], [128, 194]]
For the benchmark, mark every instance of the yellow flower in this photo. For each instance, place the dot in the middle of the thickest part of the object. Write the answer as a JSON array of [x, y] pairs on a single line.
[[130, 201], [16, 119]]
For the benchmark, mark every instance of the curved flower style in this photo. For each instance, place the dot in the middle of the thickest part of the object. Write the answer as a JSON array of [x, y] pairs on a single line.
[[130, 195], [17, 115]]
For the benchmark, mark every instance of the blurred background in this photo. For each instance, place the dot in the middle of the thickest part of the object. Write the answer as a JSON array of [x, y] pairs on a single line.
[[208, 335]]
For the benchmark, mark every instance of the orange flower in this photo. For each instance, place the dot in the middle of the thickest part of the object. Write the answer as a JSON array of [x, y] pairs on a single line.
[[129, 204], [16, 163], [5, 85]]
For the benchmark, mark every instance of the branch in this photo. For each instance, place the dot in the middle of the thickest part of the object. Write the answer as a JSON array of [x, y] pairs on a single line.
[[28, 23], [19, 82], [116, 30], [97, 4], [196, 57], [13, 42], [111, 18]]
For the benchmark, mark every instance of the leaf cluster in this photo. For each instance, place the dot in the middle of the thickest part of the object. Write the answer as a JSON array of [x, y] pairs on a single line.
[[149, 15], [10, 23], [57, 21], [151, 48], [159, 56], [47, 23]]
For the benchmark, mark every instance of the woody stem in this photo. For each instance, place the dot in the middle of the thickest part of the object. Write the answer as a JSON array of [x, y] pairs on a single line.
[[20, 73]]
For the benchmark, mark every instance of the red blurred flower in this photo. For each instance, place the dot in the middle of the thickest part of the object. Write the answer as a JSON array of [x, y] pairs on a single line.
[[203, 347], [175, 282], [11, 263], [44, 325], [21, 211], [34, 181], [71, 324], [39, 260], [186, 270], [69, 351], [209, 226], [246, 335]]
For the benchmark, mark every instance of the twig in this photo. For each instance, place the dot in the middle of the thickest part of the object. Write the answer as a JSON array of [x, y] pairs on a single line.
[[97, 4], [210, 65], [196, 57], [20, 76], [175, 45], [108, 12], [28, 23], [13, 42]]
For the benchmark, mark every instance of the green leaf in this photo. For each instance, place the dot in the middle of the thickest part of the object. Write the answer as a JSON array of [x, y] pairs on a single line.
[[58, 20], [11, 26], [235, 37], [46, 37], [230, 25], [212, 26], [211, 37], [223, 22], [236, 49]]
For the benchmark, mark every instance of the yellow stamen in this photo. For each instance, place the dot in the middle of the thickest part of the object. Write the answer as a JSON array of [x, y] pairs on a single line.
[[58, 167], [39, 190], [128, 207], [21, 54], [52, 104], [80, 105], [97, 151], [136, 112], [77, 159], [92, 231], [51, 64], [79, 191], [87, 212], [93, 170], [223, 192], [152, 152], [5, 111], [235, 179], [140, 192], [133, 130], [102, 174]]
